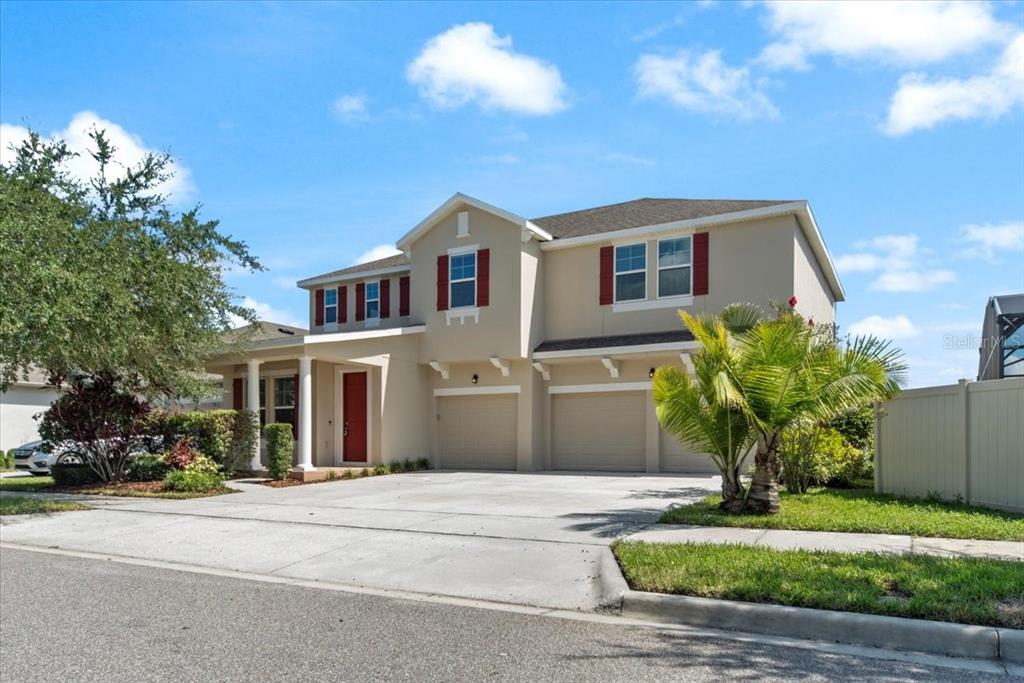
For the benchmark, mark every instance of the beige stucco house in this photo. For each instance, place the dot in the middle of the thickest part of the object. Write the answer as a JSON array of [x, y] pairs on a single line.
[[499, 342]]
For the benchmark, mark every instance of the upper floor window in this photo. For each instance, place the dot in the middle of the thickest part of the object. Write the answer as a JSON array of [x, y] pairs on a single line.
[[674, 267], [462, 279], [331, 306], [372, 300], [631, 272]]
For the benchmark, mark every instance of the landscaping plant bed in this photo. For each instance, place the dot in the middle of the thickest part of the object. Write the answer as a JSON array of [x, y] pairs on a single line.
[[861, 511], [961, 590], [19, 505]]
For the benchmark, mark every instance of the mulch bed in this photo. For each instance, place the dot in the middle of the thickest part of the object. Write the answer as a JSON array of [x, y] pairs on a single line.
[[98, 489]]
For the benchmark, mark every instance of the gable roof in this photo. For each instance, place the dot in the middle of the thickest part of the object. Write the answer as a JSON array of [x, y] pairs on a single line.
[[459, 199], [265, 329], [643, 212], [388, 263]]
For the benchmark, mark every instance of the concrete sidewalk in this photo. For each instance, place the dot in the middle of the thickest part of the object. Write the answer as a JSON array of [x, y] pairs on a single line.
[[783, 539]]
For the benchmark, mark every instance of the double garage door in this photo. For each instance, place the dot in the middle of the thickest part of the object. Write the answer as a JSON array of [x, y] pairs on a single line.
[[589, 431]]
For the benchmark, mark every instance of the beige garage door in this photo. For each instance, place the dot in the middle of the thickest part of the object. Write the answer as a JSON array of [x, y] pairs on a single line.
[[598, 431], [676, 457], [477, 432]]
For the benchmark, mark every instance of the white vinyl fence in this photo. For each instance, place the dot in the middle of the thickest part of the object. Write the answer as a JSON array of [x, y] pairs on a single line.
[[963, 441]]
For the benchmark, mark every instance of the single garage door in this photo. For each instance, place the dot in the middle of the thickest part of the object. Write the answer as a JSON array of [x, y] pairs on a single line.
[[478, 432], [677, 457], [598, 431]]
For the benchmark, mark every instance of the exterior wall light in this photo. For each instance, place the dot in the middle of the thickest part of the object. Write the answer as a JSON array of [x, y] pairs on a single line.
[[650, 373], [476, 378]]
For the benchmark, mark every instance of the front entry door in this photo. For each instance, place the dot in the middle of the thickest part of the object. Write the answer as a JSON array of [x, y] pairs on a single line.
[[354, 416]]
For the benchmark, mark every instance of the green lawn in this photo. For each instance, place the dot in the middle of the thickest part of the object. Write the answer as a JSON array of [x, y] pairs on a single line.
[[970, 591], [861, 510], [11, 505], [40, 484]]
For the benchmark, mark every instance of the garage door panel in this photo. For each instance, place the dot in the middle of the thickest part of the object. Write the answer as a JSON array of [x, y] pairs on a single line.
[[478, 432], [679, 457], [598, 431]]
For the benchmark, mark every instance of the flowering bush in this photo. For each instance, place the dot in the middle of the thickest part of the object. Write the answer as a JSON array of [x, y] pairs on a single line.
[[202, 465]]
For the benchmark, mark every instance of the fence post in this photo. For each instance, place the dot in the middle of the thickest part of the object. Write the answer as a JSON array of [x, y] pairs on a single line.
[[878, 448], [965, 398]]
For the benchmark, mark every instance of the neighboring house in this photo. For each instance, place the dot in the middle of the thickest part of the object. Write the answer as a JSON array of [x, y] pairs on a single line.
[[1002, 338], [19, 405], [498, 342]]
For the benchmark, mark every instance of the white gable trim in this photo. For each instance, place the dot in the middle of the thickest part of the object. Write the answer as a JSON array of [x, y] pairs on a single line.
[[459, 199]]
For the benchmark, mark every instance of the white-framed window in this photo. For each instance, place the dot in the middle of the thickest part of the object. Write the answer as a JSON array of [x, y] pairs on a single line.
[[284, 399], [675, 267], [330, 306], [631, 272], [263, 398], [372, 300], [462, 280]]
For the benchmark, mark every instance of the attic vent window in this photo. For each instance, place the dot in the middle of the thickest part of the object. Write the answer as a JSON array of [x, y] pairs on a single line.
[[463, 230]]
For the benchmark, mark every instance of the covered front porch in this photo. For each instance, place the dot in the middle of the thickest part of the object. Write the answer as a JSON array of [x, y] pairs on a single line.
[[330, 391]]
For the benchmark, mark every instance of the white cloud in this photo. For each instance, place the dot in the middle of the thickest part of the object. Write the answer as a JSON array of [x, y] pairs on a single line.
[[900, 262], [130, 151], [658, 29], [265, 311], [704, 84], [630, 159], [898, 32], [498, 159], [898, 327], [351, 107], [285, 282], [471, 63], [922, 103], [989, 241], [378, 252]]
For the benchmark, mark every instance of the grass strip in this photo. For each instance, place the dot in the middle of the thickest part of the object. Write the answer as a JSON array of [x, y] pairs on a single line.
[[861, 510], [11, 505], [961, 590]]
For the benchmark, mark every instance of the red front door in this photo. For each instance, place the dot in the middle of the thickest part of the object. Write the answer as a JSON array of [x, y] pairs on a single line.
[[354, 416]]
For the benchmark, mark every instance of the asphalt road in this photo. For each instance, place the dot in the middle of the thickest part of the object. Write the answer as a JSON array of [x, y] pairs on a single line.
[[72, 619]]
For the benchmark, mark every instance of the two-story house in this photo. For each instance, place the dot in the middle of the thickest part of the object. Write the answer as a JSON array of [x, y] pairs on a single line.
[[500, 342]]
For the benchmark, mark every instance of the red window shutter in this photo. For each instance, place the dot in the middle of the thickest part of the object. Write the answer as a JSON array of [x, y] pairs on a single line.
[[295, 413], [385, 298], [442, 282], [607, 275], [319, 315], [403, 295], [700, 263], [483, 277], [361, 301], [236, 394], [342, 304]]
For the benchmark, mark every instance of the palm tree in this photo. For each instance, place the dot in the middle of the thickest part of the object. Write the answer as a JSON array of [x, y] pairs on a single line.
[[777, 372]]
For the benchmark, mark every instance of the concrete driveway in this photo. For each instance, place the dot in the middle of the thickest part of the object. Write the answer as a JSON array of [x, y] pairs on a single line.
[[536, 539]]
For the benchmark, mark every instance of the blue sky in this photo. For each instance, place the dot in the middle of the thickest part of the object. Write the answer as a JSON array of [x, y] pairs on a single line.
[[318, 132]]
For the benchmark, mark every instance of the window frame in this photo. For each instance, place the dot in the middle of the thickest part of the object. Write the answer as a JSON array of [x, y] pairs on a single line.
[[335, 305], [263, 397], [660, 268], [283, 406], [616, 273], [367, 300], [453, 281]]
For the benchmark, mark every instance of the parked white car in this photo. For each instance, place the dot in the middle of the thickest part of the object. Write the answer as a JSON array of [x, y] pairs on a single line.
[[33, 458]]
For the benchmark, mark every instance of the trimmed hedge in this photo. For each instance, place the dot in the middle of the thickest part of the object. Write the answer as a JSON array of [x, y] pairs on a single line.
[[225, 436], [278, 436], [8, 459], [72, 474], [147, 467]]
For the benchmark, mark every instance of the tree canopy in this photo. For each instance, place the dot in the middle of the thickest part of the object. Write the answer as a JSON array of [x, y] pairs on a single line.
[[103, 277]]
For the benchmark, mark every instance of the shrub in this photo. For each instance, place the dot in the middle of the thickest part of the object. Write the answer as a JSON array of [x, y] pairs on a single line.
[[193, 481], [365, 472], [147, 467], [181, 456], [279, 449], [840, 464], [423, 464], [226, 436], [796, 455], [73, 474], [8, 463], [346, 474], [380, 469], [396, 467], [202, 464], [857, 428]]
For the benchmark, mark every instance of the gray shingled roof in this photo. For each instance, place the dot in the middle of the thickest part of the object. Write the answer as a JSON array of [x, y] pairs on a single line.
[[641, 212], [266, 329], [579, 343], [386, 262]]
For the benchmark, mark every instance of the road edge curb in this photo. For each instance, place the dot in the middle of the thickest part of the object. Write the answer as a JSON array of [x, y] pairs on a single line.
[[850, 628]]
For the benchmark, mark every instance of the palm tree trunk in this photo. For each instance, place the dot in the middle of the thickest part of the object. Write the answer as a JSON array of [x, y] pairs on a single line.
[[764, 492], [732, 490]]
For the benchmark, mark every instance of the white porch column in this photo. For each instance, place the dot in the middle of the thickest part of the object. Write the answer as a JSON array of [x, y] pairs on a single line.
[[305, 413], [252, 403]]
